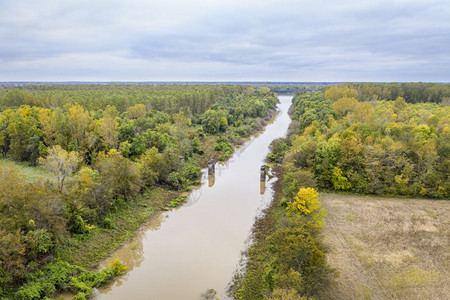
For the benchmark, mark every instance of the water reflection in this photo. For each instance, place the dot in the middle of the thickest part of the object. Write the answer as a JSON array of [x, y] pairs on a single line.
[[211, 180], [262, 187], [132, 253]]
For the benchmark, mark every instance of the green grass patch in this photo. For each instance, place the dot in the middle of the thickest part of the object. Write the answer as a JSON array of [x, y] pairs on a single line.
[[30, 172], [413, 277], [177, 201]]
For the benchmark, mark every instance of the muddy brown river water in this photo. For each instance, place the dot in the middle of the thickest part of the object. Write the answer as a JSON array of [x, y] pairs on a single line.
[[185, 251]]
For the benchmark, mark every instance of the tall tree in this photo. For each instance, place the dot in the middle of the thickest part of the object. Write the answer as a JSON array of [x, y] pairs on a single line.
[[61, 163]]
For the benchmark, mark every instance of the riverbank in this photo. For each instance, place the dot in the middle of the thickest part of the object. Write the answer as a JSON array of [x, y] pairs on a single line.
[[87, 251]]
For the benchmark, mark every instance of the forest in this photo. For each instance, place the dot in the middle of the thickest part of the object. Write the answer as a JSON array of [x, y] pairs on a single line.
[[383, 147], [108, 148]]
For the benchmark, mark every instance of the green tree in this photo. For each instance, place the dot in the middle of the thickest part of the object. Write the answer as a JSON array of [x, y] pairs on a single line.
[[214, 121], [22, 134], [16, 98], [120, 175], [150, 164], [5, 139], [326, 157]]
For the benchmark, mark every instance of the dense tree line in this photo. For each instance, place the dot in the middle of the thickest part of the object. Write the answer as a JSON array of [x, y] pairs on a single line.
[[103, 151], [412, 92], [193, 99], [292, 87], [378, 147]]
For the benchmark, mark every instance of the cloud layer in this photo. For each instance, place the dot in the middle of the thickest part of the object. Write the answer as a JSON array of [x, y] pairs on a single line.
[[283, 40]]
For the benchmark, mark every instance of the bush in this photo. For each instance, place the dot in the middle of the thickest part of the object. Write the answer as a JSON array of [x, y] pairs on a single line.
[[225, 148], [175, 180], [107, 223], [191, 172], [294, 180], [59, 275], [277, 149], [177, 201]]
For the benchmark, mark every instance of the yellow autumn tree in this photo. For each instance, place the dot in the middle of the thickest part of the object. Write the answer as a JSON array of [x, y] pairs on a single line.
[[78, 120], [307, 203], [345, 105], [341, 91], [136, 111]]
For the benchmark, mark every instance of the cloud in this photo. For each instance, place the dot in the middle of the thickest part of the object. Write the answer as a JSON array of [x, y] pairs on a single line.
[[225, 40]]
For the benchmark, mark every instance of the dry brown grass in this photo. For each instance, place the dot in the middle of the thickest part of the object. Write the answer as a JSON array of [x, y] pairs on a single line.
[[388, 248]]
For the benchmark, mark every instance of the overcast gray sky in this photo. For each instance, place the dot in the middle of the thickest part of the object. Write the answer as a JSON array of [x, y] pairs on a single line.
[[231, 40]]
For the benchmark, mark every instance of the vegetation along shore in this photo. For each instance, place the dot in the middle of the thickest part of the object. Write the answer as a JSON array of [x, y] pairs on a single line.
[[85, 165]]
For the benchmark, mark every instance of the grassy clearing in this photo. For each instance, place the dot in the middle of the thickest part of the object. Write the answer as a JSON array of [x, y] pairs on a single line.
[[30, 172], [388, 248]]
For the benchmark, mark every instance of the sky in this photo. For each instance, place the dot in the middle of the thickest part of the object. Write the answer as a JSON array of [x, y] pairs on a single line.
[[227, 40]]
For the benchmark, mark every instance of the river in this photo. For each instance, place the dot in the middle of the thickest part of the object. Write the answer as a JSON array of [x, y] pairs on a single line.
[[186, 251]]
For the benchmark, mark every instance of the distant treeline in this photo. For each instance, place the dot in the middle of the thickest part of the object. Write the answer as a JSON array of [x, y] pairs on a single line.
[[413, 92], [64, 89], [190, 99], [292, 88]]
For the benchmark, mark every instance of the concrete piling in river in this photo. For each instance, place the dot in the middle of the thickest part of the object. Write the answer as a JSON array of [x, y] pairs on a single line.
[[262, 179], [262, 173], [211, 167]]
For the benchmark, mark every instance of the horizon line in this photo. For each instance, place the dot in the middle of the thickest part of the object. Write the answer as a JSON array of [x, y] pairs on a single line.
[[201, 81]]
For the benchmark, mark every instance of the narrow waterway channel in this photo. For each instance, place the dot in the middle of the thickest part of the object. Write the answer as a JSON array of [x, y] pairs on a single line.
[[197, 247]]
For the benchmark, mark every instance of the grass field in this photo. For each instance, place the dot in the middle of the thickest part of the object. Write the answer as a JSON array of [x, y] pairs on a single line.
[[31, 173], [388, 248]]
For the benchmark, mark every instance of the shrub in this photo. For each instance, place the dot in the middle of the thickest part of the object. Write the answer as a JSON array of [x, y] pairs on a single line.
[[225, 148], [177, 201], [277, 149], [59, 275]]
